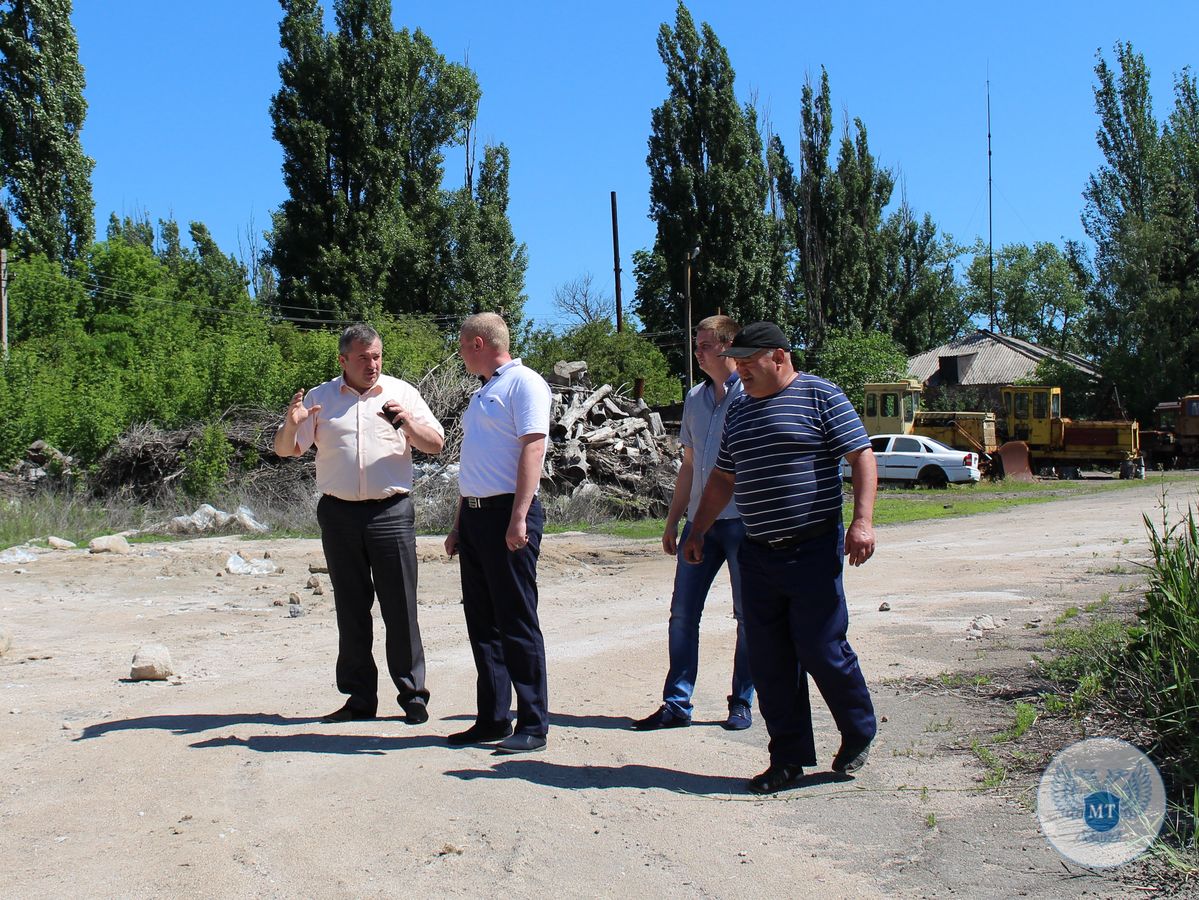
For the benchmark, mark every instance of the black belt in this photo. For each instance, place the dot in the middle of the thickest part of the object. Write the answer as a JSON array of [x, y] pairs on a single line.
[[795, 538], [489, 502], [390, 498]]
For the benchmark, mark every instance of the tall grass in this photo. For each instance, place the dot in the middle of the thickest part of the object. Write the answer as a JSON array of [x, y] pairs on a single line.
[[1161, 664], [67, 514]]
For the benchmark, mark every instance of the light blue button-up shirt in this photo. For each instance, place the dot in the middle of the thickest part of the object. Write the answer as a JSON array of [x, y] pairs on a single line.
[[703, 424]]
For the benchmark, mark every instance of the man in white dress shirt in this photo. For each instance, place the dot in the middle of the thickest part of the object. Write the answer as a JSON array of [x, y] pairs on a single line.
[[364, 425]]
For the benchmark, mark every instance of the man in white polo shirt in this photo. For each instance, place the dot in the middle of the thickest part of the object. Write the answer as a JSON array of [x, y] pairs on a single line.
[[497, 535], [364, 425]]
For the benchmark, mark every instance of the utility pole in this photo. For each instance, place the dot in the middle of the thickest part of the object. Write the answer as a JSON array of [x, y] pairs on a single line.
[[616, 267], [4, 301], [691, 255]]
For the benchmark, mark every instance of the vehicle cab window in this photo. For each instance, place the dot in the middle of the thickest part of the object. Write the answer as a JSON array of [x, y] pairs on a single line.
[[907, 445]]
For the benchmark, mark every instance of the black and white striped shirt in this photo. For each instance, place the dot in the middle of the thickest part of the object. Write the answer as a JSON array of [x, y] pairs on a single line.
[[785, 451]]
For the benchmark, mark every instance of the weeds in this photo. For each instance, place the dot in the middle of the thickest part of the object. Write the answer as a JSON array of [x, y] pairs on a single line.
[[996, 771], [958, 680]]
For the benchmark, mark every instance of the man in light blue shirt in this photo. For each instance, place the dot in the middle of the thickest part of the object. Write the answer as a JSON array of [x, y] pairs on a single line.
[[703, 423]]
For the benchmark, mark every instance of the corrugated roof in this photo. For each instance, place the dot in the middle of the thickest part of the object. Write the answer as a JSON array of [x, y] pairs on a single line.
[[987, 358]]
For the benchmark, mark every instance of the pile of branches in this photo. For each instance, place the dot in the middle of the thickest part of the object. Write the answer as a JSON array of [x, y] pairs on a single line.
[[146, 461]]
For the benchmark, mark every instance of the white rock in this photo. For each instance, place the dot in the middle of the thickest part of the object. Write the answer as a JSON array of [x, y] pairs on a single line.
[[17, 555], [983, 623], [5, 640], [151, 662], [60, 543], [110, 543]]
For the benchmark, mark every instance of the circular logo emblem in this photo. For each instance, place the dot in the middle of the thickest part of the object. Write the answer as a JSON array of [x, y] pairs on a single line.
[[1101, 802]]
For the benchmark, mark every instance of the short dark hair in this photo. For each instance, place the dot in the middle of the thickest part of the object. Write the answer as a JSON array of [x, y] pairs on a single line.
[[355, 334]]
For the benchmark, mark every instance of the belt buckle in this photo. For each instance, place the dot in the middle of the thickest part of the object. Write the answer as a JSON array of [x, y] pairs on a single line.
[[775, 543], [473, 502]]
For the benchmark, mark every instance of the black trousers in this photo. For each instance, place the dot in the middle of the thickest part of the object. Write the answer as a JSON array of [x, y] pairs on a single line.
[[370, 547], [796, 622], [499, 599]]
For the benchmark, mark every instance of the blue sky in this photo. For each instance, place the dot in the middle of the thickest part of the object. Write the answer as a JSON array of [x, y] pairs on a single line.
[[179, 93]]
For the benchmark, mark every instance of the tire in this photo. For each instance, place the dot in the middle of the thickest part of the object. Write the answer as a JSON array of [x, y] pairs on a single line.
[[933, 477]]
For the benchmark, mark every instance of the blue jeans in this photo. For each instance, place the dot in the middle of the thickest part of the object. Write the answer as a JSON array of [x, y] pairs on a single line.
[[691, 584]]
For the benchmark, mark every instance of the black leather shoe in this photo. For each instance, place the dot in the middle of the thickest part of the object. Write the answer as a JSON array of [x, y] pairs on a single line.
[[415, 713], [776, 778], [851, 757], [662, 718], [521, 743], [480, 733], [349, 713]]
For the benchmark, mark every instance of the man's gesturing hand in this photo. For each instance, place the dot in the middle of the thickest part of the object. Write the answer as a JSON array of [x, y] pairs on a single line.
[[297, 412]]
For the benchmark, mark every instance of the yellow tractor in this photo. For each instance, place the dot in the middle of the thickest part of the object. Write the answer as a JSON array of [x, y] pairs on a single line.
[[1174, 440], [894, 408], [1040, 438]]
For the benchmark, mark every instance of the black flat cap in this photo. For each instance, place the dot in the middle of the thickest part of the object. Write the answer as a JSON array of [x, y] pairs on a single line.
[[757, 336]]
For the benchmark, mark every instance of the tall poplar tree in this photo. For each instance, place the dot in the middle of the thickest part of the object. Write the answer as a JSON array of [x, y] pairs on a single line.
[[363, 115], [835, 215], [1142, 212], [45, 177], [708, 189]]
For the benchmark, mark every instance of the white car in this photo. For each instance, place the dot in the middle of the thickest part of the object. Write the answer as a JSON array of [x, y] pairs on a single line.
[[912, 459]]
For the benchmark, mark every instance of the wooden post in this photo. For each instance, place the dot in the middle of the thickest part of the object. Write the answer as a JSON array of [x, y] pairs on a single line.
[[4, 301], [616, 267]]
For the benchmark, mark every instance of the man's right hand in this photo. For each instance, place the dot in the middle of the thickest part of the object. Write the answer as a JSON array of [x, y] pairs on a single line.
[[298, 412], [451, 543], [670, 538]]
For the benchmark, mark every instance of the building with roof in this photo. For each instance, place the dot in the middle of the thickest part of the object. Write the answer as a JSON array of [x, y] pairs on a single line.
[[972, 368], [985, 359]]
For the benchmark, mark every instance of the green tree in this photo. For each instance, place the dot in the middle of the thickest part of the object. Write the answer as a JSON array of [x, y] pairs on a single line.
[[363, 115], [926, 305], [1037, 296], [851, 359], [708, 189], [853, 266], [488, 263], [1142, 212], [616, 358], [45, 177]]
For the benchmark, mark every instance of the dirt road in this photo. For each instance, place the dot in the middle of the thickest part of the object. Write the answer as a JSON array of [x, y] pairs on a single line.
[[225, 783]]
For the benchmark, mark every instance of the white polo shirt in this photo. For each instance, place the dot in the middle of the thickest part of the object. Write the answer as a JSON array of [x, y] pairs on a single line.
[[513, 403], [359, 455]]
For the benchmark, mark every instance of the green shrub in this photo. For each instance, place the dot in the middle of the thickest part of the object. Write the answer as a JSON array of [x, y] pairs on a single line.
[[1162, 662], [206, 462], [616, 358]]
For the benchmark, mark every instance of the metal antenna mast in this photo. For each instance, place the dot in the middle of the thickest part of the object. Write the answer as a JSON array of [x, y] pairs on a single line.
[[990, 227]]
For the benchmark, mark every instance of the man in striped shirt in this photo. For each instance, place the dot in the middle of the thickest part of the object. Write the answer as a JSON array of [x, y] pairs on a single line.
[[779, 458]]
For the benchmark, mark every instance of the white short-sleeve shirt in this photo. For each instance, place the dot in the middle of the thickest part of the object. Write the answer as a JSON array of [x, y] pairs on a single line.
[[513, 403], [359, 455]]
